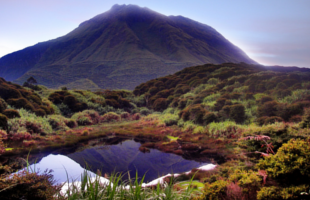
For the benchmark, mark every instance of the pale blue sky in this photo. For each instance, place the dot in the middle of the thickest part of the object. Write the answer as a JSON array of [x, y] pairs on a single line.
[[272, 32]]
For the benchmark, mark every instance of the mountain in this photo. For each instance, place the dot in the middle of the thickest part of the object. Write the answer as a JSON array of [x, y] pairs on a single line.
[[121, 48]]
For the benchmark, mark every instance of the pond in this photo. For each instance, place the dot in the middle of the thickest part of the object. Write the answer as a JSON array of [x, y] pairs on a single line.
[[122, 158]]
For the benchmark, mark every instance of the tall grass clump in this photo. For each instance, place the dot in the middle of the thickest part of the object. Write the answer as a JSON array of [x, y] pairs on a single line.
[[96, 188]]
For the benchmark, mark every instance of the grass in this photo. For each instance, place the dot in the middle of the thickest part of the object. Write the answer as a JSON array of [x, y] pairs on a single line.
[[96, 188], [171, 138]]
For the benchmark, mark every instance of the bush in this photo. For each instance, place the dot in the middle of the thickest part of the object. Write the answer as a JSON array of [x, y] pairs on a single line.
[[40, 112], [10, 113], [26, 185], [87, 117], [3, 122], [57, 122], [290, 165], [279, 193], [3, 105], [194, 113], [145, 111], [160, 104], [237, 113], [306, 119], [209, 117], [273, 119], [70, 100], [136, 116], [21, 103], [216, 190], [71, 123], [110, 116], [267, 109], [125, 115]]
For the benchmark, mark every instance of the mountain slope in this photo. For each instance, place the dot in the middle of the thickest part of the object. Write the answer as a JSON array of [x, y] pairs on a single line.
[[121, 48]]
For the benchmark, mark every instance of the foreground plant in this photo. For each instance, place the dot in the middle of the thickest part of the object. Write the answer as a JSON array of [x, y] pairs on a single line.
[[98, 188]]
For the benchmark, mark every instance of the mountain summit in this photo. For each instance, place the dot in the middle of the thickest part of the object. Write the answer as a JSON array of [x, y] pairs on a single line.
[[121, 48]]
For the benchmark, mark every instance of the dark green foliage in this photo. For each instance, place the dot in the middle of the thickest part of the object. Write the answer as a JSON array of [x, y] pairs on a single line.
[[56, 98], [220, 102], [209, 117], [306, 119], [71, 123], [281, 93], [112, 102], [273, 119], [3, 122], [290, 165], [70, 100], [235, 95], [195, 113], [268, 120], [40, 112], [237, 113], [182, 103], [35, 99], [160, 104], [249, 96], [10, 113], [21, 103], [267, 109], [3, 105], [26, 185], [265, 99]]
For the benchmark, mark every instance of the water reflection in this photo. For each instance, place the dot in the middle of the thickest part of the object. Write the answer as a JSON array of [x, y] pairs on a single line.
[[122, 157]]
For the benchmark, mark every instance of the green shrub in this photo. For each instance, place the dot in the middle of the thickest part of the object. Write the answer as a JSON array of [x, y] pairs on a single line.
[[237, 113], [55, 98], [125, 115], [58, 123], [306, 119], [29, 123], [194, 113], [21, 103], [273, 119], [279, 193], [3, 105], [290, 165], [145, 111], [10, 113], [110, 116], [269, 108], [170, 119], [70, 100], [209, 117], [216, 190], [71, 123], [40, 112], [136, 116], [3, 122], [160, 104]]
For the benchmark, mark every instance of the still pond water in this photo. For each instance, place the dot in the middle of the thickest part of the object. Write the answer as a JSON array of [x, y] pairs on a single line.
[[122, 157]]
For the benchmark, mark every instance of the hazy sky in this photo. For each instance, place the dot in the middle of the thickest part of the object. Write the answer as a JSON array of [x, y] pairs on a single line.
[[272, 32]]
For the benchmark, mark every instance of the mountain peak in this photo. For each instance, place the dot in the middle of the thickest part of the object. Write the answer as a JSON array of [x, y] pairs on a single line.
[[121, 48]]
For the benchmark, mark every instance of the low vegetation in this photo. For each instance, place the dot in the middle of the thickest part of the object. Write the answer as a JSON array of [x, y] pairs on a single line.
[[251, 121]]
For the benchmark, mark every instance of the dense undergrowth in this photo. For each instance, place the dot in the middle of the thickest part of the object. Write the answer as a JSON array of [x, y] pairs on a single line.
[[254, 121]]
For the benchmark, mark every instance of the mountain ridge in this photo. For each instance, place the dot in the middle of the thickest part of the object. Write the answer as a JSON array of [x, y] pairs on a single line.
[[120, 49]]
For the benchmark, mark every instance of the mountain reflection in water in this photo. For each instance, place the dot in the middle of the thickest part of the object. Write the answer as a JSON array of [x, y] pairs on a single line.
[[122, 157]]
